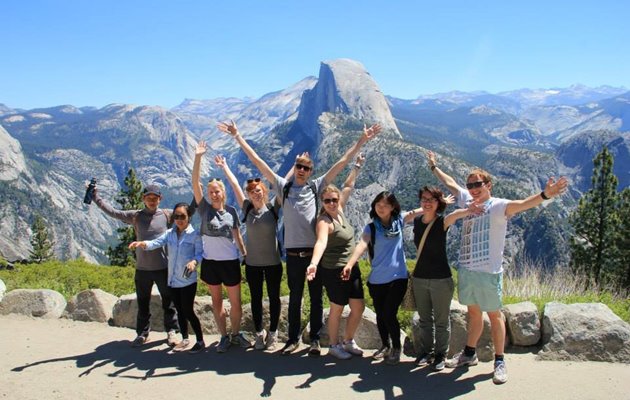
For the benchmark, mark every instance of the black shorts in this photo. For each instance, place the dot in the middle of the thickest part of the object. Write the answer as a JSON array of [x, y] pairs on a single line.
[[227, 272], [338, 290]]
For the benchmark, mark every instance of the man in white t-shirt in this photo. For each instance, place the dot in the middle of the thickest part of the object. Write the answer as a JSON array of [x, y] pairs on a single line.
[[299, 197], [480, 274]]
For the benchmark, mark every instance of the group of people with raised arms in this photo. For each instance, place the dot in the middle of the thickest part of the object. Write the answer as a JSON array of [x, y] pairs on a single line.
[[321, 250]]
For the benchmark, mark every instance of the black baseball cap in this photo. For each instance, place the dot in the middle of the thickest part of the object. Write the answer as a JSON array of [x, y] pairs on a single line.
[[152, 189]]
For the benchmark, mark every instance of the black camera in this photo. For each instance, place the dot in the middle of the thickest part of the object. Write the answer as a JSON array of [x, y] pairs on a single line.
[[89, 192]]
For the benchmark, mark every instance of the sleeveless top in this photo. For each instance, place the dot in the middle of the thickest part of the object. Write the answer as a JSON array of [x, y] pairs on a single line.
[[340, 244]]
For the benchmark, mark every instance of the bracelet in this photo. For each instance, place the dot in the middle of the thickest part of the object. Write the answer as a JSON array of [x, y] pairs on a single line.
[[433, 167], [544, 196], [358, 166]]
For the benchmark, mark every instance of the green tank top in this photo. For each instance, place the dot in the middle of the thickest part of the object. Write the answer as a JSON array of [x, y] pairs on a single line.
[[340, 244]]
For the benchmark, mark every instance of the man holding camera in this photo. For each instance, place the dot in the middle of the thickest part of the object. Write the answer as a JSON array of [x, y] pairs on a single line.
[[151, 266]]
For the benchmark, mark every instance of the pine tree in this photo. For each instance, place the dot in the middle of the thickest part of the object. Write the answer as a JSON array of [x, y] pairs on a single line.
[[595, 250], [41, 241], [624, 237], [129, 198]]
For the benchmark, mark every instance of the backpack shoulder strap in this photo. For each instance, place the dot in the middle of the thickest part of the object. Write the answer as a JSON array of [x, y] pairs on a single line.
[[248, 208], [271, 208], [285, 190], [372, 239]]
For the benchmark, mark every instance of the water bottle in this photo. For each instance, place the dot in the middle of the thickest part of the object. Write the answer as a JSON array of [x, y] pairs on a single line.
[[89, 192]]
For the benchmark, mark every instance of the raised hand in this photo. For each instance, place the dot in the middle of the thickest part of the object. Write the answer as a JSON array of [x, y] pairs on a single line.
[[476, 208], [201, 148], [360, 160], [553, 188], [219, 161], [431, 158], [450, 199], [369, 133], [229, 128]]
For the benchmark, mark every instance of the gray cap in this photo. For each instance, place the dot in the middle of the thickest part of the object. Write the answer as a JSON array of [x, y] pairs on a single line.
[[152, 189]]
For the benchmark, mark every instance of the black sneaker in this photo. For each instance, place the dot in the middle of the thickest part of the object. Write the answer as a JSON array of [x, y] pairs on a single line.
[[198, 347], [439, 362], [315, 349], [424, 359]]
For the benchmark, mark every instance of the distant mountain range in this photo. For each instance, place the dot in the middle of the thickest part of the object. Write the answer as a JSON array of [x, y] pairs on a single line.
[[521, 137]]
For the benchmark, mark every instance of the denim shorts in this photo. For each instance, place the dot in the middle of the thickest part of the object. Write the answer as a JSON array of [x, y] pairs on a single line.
[[480, 288]]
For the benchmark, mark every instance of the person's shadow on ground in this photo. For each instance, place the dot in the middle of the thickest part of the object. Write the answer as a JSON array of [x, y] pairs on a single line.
[[268, 367]]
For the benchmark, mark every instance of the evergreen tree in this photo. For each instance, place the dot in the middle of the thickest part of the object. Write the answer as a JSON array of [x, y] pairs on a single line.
[[129, 198], [595, 250], [41, 241], [624, 237]]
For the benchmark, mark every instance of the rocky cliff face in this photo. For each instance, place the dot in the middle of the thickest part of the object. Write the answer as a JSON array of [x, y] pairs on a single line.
[[47, 155]]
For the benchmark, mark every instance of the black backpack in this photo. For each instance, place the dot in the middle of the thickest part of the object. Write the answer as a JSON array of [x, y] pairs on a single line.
[[372, 240]]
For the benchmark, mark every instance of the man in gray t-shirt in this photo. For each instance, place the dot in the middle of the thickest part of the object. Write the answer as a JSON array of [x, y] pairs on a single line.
[[299, 205], [151, 266]]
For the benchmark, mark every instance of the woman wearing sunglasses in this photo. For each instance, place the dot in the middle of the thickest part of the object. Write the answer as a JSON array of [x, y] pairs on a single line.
[[263, 263], [221, 244], [184, 255], [333, 247], [433, 285]]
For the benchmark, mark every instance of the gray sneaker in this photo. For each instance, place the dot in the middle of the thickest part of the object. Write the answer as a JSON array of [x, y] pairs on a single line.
[[240, 340], [197, 348], [289, 348], [339, 352], [271, 341], [381, 353], [139, 341], [460, 359], [439, 362], [500, 373], [424, 359], [224, 344], [260, 343], [351, 347]]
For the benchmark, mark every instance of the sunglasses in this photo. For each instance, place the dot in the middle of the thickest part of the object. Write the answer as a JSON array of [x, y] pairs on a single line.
[[475, 185], [328, 201], [253, 180], [303, 167], [179, 216], [214, 180]]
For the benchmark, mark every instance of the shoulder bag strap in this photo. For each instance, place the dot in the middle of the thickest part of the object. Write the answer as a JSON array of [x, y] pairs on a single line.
[[424, 238]]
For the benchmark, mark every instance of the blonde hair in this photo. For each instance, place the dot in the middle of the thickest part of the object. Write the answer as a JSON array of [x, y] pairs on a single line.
[[305, 160], [330, 188], [221, 185], [483, 174]]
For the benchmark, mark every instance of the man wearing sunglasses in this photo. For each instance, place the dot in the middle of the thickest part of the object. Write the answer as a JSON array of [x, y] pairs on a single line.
[[299, 209], [480, 274]]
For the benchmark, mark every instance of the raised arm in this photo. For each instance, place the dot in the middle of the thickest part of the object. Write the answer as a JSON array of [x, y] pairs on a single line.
[[473, 209], [359, 249], [219, 161], [125, 216], [368, 133], [446, 179], [232, 130], [200, 150], [552, 189], [348, 185], [322, 230]]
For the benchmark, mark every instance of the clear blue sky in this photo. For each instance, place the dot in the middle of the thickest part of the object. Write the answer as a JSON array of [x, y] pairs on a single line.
[[93, 52]]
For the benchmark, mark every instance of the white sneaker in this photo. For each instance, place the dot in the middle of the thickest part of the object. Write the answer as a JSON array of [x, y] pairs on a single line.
[[351, 347], [171, 338], [260, 340], [500, 373], [338, 351]]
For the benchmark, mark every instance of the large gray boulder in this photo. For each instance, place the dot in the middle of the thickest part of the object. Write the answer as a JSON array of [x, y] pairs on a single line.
[[582, 331], [91, 305], [126, 309], [3, 289], [459, 314], [43, 303], [522, 323], [366, 336]]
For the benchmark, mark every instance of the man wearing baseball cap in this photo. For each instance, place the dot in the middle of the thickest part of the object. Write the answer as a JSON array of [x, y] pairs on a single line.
[[151, 266]]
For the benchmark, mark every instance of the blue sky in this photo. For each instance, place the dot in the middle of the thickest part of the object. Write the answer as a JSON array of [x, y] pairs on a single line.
[[160, 52]]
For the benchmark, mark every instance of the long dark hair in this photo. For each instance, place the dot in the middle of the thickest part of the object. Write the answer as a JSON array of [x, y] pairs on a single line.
[[391, 199]]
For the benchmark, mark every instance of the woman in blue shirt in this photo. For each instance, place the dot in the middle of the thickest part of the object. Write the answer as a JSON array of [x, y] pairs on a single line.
[[185, 252]]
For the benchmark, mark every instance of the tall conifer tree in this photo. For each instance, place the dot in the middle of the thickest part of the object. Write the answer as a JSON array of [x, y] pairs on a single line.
[[41, 241], [596, 221], [129, 198]]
